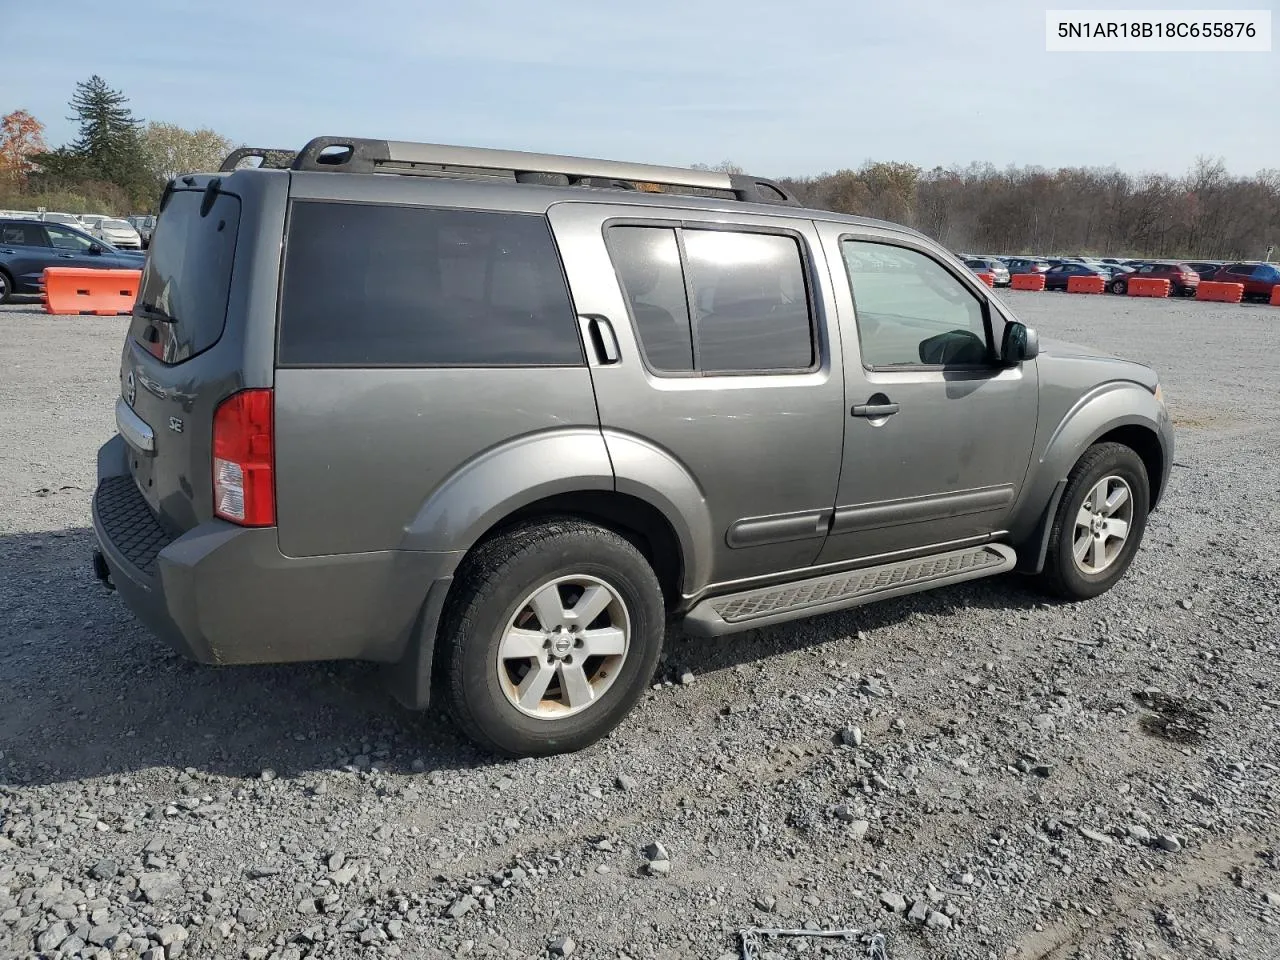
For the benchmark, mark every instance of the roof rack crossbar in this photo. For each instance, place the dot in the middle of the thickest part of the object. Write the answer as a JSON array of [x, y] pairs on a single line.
[[272, 158], [357, 155]]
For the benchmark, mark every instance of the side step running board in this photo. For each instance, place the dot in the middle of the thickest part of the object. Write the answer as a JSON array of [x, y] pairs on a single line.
[[763, 606]]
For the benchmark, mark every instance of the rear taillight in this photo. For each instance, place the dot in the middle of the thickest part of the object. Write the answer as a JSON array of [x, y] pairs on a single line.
[[243, 455]]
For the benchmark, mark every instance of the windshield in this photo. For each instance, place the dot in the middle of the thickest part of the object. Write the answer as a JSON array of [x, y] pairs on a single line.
[[117, 224], [182, 303]]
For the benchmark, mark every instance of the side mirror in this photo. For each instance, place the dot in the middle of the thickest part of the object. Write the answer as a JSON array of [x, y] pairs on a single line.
[[1020, 343], [95, 249]]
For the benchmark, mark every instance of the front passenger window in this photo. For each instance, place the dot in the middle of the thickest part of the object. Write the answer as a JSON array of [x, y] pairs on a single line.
[[911, 311], [66, 240]]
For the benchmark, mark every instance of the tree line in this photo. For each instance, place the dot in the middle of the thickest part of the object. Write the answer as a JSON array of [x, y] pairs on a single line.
[[1205, 214], [117, 163]]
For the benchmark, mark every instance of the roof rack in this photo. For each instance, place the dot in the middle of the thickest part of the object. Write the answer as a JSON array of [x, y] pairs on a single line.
[[355, 155]]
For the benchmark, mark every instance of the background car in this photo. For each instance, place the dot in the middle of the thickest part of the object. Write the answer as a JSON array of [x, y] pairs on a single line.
[[1259, 279], [28, 246], [1183, 281], [998, 271], [1056, 277], [118, 233], [146, 226], [66, 219], [1206, 268], [1027, 265]]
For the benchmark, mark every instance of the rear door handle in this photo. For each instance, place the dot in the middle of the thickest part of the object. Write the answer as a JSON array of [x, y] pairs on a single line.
[[873, 410], [601, 339]]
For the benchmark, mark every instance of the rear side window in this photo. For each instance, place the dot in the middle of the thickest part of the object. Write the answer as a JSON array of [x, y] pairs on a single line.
[[182, 301], [375, 285], [715, 301], [22, 235]]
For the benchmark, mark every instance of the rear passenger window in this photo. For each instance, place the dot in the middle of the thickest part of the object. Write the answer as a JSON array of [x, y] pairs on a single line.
[[22, 235], [647, 260], [735, 302], [368, 285]]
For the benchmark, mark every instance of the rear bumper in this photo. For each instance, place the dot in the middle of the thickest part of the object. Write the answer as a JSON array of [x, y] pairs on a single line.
[[224, 594]]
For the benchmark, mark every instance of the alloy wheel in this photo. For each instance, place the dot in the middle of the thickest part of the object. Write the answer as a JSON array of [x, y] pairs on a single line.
[[564, 647], [1102, 525]]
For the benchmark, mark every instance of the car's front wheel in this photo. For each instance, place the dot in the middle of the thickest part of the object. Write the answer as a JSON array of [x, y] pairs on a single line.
[[552, 633], [1099, 522], [6, 287], [1119, 287]]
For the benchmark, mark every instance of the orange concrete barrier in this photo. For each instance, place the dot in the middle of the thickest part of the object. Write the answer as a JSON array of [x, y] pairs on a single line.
[[988, 278], [1027, 281], [1219, 291], [1275, 295], [1085, 284], [1148, 287], [103, 293]]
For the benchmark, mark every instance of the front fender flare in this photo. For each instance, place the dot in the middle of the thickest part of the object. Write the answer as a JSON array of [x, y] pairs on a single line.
[[1103, 409]]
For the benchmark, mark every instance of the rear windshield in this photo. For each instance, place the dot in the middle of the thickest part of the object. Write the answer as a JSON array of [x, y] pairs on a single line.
[[182, 303]]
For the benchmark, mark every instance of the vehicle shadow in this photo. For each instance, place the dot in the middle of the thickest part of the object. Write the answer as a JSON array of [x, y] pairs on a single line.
[[86, 691], [1012, 592]]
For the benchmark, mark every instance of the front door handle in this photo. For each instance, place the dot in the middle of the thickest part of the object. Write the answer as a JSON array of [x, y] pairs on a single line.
[[882, 408]]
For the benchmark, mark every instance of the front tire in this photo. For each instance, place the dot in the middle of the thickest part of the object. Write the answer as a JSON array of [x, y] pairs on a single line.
[[1099, 523], [6, 287], [1119, 287], [552, 633]]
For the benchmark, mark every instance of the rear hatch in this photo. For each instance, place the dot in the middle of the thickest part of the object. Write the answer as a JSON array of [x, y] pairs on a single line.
[[172, 373]]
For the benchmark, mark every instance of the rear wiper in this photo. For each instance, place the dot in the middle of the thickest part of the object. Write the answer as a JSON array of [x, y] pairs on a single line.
[[155, 313]]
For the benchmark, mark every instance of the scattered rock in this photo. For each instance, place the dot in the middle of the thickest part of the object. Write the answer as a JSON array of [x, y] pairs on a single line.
[[893, 901], [938, 921], [160, 885], [52, 937], [656, 851], [1167, 841], [851, 736], [104, 870], [462, 906], [562, 947], [626, 782], [919, 912]]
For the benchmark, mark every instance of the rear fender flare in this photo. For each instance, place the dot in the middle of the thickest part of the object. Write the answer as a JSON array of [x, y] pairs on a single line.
[[652, 474], [503, 479]]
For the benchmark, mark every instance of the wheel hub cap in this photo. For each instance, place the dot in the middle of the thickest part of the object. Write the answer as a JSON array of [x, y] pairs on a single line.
[[563, 647], [1102, 525]]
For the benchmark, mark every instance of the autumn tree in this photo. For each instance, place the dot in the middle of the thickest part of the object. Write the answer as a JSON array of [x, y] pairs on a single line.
[[169, 150], [21, 138]]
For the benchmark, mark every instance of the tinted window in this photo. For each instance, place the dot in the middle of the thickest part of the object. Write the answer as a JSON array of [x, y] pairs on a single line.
[[411, 286], [647, 260], [750, 305], [187, 276], [22, 235], [750, 300], [916, 313]]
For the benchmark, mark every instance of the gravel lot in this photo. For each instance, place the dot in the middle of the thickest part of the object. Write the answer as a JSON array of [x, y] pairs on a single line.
[[972, 773]]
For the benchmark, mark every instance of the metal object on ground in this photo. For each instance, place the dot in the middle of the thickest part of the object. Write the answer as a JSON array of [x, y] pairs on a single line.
[[875, 944]]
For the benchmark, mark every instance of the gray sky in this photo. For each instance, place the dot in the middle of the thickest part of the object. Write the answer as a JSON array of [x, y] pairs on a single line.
[[780, 88]]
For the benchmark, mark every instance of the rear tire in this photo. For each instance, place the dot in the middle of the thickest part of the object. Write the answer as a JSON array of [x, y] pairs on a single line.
[[1086, 556], [6, 287], [515, 656]]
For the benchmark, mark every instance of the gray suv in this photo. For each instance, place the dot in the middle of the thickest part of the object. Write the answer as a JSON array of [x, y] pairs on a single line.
[[495, 418]]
